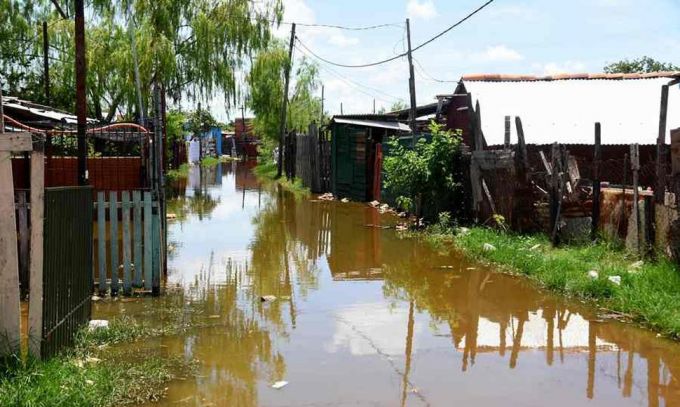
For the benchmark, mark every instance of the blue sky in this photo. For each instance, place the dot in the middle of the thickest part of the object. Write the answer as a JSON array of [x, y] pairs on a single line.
[[509, 36]]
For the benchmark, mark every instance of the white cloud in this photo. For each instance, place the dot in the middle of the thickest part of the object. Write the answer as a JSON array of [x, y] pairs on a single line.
[[424, 10], [342, 40], [498, 53], [554, 68]]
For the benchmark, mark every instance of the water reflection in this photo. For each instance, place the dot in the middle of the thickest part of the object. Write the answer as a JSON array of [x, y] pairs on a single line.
[[363, 317]]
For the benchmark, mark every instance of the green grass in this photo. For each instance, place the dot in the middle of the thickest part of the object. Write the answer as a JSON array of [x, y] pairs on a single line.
[[266, 172], [95, 372], [181, 172], [209, 161], [649, 294]]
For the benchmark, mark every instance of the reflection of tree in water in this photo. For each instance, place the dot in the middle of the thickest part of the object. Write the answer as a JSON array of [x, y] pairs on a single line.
[[229, 337], [460, 298]]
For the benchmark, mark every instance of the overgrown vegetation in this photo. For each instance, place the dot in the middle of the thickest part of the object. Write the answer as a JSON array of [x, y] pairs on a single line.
[[86, 376], [649, 292], [181, 172], [426, 179]]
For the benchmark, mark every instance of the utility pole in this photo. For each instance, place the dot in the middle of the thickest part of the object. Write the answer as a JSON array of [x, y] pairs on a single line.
[[135, 64], [46, 62], [322, 100], [81, 83], [341, 112], [411, 84], [373, 105], [282, 124]]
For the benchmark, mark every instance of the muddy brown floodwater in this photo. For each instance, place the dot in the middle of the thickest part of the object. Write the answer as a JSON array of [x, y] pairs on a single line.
[[366, 318]]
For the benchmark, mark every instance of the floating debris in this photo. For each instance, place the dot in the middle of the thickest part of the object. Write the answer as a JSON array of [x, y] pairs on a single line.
[[268, 298], [615, 279], [374, 204], [326, 197], [170, 216], [344, 200], [488, 247], [279, 384], [98, 324]]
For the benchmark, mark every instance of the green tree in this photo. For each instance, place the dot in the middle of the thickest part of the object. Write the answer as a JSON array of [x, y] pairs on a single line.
[[398, 105], [266, 82], [640, 65], [192, 47]]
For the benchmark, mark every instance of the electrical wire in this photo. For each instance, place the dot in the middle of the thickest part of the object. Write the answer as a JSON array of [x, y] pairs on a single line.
[[423, 74], [459, 22], [340, 27], [358, 86]]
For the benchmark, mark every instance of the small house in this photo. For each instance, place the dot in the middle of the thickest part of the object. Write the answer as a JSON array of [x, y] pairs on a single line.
[[356, 153]]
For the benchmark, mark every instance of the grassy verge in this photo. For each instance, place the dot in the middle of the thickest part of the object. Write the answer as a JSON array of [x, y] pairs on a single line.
[[649, 292], [84, 376], [266, 172]]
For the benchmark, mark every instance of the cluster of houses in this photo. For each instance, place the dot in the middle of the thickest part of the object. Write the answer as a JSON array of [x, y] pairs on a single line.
[[517, 119]]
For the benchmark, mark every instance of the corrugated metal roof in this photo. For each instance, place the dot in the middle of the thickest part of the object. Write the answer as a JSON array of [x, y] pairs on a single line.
[[391, 125], [566, 110]]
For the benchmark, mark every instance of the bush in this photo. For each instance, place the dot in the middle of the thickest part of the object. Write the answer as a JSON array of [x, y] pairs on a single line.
[[426, 180]]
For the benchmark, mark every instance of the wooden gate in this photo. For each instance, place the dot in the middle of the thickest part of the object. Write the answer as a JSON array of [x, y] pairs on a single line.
[[67, 267], [129, 242]]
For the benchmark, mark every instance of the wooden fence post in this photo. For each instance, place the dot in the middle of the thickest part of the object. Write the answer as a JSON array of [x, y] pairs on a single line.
[[522, 149], [555, 193], [127, 251], [635, 167], [113, 221], [660, 187], [35, 306], [101, 241], [597, 157]]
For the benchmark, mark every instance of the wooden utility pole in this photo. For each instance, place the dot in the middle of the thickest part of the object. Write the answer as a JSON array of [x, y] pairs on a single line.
[[46, 62], [411, 84], [373, 105], [81, 89], [341, 112], [282, 124], [597, 158], [135, 64]]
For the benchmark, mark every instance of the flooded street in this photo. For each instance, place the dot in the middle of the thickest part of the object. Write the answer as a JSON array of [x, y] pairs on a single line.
[[363, 317]]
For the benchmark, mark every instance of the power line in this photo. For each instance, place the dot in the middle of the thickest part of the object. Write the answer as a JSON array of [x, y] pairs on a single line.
[[423, 74], [370, 27], [459, 22], [358, 86]]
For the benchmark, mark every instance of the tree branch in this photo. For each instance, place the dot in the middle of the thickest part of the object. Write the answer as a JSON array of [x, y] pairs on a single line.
[[59, 10]]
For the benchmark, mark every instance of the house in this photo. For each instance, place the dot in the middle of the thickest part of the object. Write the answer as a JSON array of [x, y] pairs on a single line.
[[356, 153]]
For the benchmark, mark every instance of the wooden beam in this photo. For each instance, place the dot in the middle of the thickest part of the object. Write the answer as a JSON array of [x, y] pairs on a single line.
[[635, 167], [16, 142], [522, 148], [597, 158], [35, 310], [506, 139], [660, 187], [9, 262]]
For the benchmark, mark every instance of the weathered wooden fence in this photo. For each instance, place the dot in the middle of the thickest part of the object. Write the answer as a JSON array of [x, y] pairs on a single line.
[[128, 242], [308, 157]]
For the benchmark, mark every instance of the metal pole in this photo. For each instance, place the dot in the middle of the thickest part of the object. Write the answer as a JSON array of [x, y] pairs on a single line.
[[81, 89], [373, 105], [46, 64], [322, 100], [282, 124], [2, 113], [341, 112], [411, 84]]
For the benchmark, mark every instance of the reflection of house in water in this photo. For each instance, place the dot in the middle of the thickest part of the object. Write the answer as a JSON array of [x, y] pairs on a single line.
[[245, 179]]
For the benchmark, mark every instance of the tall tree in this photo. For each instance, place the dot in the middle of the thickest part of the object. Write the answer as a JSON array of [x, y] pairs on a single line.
[[192, 47], [266, 93], [638, 65]]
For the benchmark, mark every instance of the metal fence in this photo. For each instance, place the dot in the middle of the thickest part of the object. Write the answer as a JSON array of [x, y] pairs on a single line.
[[67, 271]]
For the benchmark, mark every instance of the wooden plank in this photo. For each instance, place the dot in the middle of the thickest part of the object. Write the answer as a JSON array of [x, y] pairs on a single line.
[[147, 241], [156, 248], [660, 187], [24, 252], [9, 262], [506, 140], [16, 142], [113, 236], [597, 158], [127, 244], [487, 193], [635, 167], [522, 150], [137, 248], [101, 242], [37, 281]]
